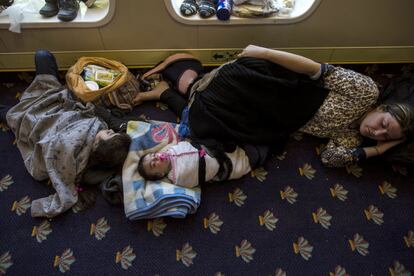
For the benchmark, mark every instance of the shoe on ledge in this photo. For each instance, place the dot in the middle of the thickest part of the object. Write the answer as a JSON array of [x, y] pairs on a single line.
[[50, 8], [68, 10]]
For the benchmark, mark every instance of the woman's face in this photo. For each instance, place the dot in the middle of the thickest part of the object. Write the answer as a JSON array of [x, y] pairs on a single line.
[[380, 126], [158, 164]]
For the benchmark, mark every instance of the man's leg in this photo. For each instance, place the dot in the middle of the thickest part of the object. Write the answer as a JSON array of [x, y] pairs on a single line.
[[45, 63]]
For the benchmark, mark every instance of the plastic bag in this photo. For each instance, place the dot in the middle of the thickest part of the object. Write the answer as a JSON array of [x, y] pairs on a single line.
[[16, 13]]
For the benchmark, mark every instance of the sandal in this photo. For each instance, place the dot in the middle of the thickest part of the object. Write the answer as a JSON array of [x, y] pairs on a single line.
[[207, 8], [188, 7]]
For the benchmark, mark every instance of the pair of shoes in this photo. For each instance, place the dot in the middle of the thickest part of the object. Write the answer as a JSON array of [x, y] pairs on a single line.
[[66, 10], [206, 8]]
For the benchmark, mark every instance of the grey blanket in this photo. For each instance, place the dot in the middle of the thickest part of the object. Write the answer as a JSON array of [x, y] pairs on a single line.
[[55, 135]]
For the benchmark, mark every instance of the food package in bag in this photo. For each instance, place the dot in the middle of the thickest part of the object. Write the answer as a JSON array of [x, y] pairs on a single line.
[[101, 75]]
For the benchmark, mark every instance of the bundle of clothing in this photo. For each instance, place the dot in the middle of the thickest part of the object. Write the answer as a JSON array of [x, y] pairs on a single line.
[[262, 8], [145, 199], [55, 134]]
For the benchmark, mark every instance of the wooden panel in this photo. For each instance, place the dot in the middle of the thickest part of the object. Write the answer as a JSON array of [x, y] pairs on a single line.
[[2, 45], [148, 58], [226, 37], [373, 55], [146, 25], [54, 39]]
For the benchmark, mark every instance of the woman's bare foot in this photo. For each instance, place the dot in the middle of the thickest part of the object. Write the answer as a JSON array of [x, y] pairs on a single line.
[[151, 95]]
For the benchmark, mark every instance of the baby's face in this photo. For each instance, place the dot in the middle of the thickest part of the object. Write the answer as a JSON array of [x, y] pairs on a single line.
[[158, 164]]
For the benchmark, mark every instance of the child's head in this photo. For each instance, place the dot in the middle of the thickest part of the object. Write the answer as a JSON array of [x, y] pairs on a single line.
[[154, 166], [110, 149]]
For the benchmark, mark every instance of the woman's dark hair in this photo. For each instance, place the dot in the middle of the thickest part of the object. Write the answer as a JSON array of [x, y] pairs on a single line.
[[144, 173], [404, 114], [110, 153]]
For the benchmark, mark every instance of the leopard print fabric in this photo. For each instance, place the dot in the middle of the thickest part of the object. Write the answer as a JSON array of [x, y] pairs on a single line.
[[351, 96]]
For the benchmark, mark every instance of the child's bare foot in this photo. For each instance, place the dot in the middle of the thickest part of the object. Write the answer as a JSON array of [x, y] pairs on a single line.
[[151, 95]]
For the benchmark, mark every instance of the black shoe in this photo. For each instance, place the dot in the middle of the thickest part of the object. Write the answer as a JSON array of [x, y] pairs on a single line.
[[50, 8], [68, 9], [4, 4], [45, 63]]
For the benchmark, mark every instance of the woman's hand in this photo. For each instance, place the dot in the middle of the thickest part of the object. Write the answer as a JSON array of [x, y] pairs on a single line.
[[383, 146], [254, 51]]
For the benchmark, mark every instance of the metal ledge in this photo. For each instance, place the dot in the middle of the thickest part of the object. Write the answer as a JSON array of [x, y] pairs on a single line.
[[213, 57]]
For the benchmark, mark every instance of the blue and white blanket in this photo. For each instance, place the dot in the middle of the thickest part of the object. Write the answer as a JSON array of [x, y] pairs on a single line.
[[151, 199]]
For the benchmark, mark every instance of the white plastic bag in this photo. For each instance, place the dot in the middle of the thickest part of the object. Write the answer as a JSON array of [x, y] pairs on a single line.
[[16, 12]]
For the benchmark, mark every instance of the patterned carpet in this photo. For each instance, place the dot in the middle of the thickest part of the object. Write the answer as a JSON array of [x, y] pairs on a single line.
[[291, 217]]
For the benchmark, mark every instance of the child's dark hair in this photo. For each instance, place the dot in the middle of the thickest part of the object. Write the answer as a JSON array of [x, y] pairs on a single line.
[[144, 173], [110, 153]]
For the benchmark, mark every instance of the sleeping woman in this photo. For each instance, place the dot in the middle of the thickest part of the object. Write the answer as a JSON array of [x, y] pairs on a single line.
[[265, 95]]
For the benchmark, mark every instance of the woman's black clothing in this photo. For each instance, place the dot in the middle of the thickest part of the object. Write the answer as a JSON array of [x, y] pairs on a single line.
[[250, 101]]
